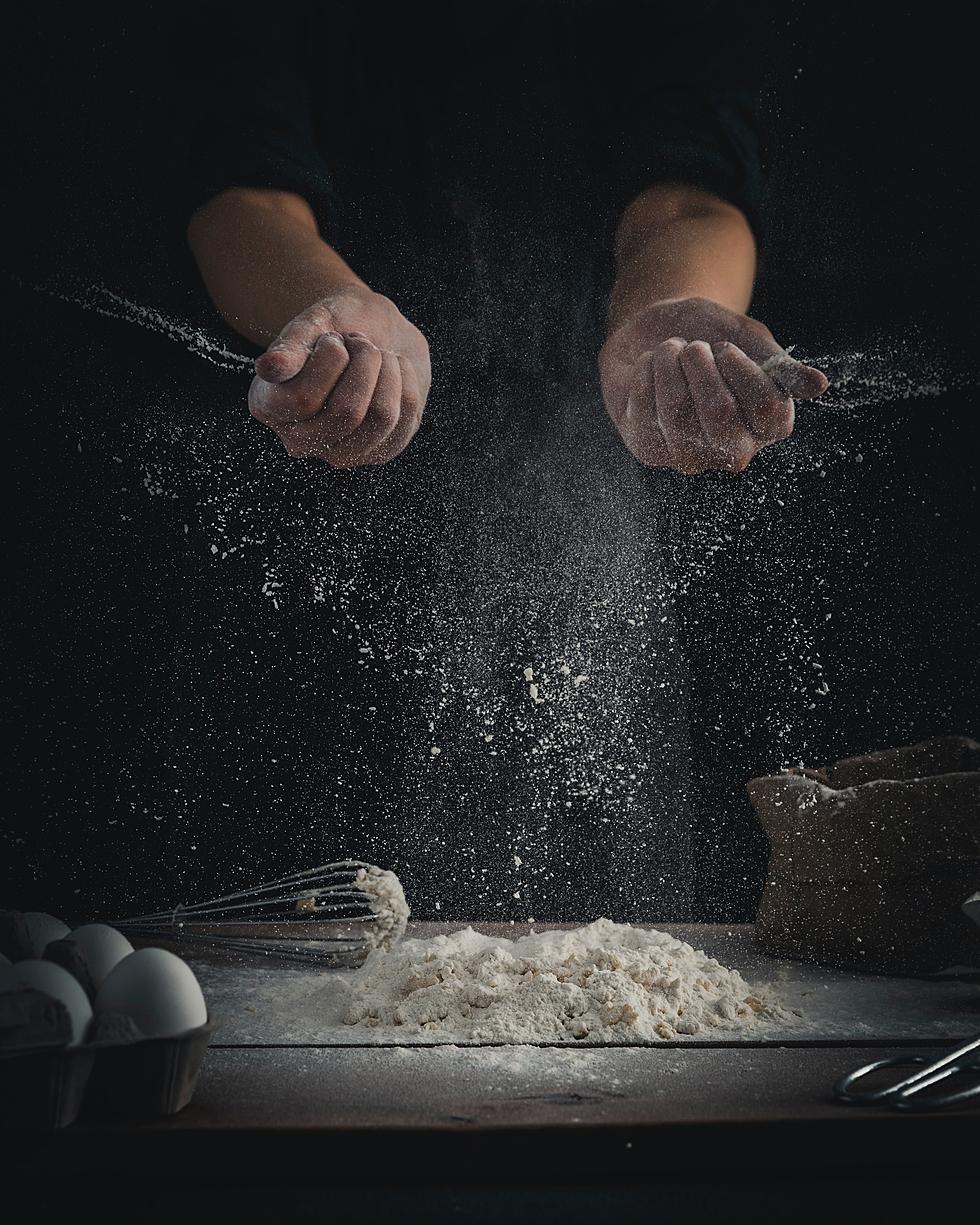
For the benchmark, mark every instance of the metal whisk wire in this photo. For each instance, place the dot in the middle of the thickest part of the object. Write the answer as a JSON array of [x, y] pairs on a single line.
[[307, 916]]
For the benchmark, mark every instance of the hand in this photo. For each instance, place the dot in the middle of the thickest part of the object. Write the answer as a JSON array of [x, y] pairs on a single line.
[[345, 381], [692, 385]]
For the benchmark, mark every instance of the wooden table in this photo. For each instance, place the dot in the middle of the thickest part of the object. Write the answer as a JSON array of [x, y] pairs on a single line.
[[284, 1089]]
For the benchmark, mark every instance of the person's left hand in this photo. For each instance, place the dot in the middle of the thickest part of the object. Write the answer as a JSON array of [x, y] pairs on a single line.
[[684, 383]]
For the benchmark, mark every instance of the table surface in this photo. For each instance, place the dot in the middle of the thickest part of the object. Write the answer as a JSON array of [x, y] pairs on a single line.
[[282, 1078], [282, 1003]]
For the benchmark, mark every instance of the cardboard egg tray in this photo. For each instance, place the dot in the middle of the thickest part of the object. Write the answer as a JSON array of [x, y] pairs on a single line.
[[118, 1072]]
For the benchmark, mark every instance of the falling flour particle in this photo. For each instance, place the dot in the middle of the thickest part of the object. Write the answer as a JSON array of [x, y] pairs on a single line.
[[780, 363], [606, 982], [386, 898]]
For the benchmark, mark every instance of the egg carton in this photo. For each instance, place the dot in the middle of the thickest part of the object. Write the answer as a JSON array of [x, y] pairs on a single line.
[[46, 1080]]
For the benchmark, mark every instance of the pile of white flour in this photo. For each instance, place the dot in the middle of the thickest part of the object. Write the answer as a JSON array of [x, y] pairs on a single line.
[[607, 982]]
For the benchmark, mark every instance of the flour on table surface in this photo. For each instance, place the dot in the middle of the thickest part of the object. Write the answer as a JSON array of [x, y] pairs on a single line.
[[606, 982]]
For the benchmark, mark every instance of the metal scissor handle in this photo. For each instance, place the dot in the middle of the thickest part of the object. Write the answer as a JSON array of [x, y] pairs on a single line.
[[908, 1094]]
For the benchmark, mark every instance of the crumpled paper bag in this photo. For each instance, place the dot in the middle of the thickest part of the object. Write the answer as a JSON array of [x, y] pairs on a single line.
[[872, 858]]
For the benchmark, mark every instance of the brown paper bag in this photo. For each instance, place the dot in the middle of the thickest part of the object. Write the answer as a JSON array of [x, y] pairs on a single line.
[[872, 858]]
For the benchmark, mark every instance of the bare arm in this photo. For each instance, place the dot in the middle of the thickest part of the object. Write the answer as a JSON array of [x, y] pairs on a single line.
[[345, 375], [680, 242], [682, 366]]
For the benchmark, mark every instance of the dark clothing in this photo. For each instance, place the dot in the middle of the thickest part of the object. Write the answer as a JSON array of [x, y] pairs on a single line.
[[386, 118], [471, 162]]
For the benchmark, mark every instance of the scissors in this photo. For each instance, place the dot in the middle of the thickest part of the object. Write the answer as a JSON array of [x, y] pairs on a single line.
[[911, 1093]]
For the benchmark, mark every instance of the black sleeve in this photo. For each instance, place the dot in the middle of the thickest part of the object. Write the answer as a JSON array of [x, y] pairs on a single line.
[[244, 115], [672, 95]]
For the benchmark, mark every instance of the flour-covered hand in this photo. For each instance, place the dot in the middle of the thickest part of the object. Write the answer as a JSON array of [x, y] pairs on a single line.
[[345, 381], [692, 385]]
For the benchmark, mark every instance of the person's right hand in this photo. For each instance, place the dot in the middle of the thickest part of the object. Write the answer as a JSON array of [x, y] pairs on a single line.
[[345, 381]]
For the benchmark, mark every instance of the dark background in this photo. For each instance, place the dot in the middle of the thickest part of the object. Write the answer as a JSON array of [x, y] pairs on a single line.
[[870, 132]]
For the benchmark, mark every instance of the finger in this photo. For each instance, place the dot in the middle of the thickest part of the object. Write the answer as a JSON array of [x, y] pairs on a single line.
[[767, 410], [287, 354], [638, 424], [675, 410], [380, 422], [409, 415], [351, 398], [344, 410], [728, 442], [795, 378], [304, 395], [346, 406]]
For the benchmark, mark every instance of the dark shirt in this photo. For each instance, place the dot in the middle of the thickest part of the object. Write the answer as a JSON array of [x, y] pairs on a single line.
[[471, 162], [401, 125]]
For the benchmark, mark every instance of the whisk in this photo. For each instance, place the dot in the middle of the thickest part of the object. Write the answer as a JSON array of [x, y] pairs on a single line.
[[335, 914]]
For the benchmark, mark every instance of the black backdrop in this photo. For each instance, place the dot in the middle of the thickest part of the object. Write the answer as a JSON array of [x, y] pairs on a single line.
[[870, 136]]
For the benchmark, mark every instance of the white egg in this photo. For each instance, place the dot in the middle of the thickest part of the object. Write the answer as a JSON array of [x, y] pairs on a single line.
[[102, 947], [156, 989], [54, 981], [42, 929]]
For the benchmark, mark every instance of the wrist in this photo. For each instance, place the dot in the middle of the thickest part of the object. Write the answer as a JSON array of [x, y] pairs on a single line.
[[352, 306], [630, 301], [676, 243]]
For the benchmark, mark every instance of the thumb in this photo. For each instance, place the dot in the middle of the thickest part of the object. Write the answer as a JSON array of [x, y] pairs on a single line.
[[798, 380], [288, 353]]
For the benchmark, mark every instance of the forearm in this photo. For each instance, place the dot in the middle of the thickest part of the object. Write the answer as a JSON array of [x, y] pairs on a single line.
[[263, 260], [680, 242]]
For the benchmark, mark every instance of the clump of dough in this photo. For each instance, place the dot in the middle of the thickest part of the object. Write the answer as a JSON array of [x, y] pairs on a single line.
[[386, 897]]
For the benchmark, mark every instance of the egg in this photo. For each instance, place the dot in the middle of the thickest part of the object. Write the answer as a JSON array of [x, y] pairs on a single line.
[[56, 982], [101, 947], [42, 929], [156, 989]]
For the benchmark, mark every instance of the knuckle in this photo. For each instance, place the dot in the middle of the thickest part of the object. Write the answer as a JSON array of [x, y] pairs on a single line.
[[386, 415], [344, 417], [782, 425], [357, 340], [353, 417], [775, 425], [670, 347], [304, 402], [257, 401], [757, 329], [741, 458], [605, 358], [673, 402], [723, 409]]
